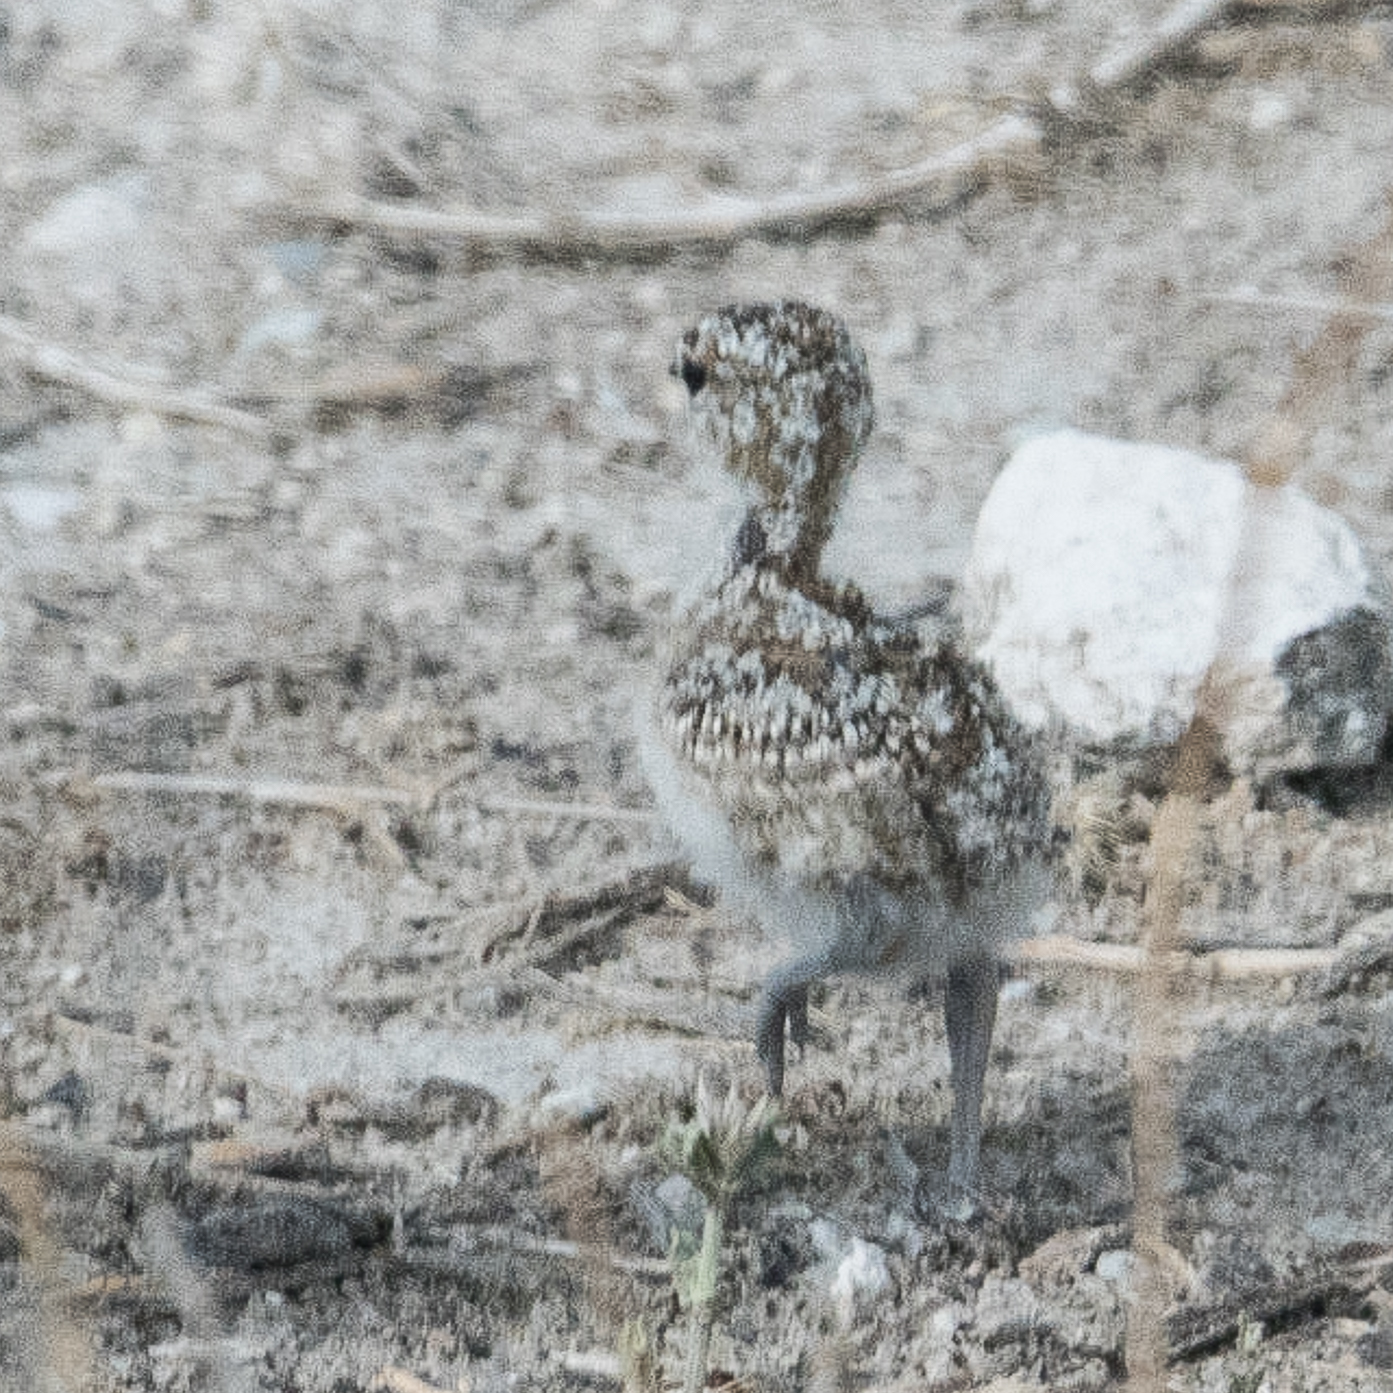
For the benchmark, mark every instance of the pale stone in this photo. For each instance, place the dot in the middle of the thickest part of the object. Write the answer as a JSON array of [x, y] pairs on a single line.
[[1107, 578]]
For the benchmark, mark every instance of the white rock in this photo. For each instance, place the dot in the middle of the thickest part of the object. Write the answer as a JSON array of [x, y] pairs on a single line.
[[1107, 577]]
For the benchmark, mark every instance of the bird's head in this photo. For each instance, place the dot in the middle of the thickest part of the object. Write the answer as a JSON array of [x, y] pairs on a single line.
[[786, 392]]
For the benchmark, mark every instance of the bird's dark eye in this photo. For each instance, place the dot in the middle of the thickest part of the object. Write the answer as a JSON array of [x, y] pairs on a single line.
[[694, 375], [750, 542]]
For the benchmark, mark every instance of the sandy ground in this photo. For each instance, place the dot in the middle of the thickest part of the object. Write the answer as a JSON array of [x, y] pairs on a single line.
[[320, 1055]]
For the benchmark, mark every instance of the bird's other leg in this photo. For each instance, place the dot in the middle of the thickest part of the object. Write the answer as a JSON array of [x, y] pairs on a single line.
[[970, 1012], [783, 1006]]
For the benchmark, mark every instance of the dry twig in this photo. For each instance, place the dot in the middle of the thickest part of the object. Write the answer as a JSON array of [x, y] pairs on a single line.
[[579, 812], [1196, 1330], [339, 797], [525, 945], [1318, 377], [335, 797], [1220, 964], [64, 1349], [55, 364], [1135, 58], [936, 182], [545, 928], [393, 1380]]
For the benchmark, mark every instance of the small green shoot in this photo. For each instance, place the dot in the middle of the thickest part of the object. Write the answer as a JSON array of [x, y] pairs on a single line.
[[725, 1150]]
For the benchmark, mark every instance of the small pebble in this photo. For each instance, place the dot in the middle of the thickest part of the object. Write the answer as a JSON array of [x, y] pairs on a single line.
[[674, 1204], [581, 1104], [1115, 1265], [862, 1276], [1270, 110]]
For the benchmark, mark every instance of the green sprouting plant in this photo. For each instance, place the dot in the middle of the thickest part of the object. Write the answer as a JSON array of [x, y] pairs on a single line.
[[638, 1357], [725, 1149]]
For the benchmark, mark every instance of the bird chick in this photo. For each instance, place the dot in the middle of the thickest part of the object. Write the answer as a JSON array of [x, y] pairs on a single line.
[[837, 776]]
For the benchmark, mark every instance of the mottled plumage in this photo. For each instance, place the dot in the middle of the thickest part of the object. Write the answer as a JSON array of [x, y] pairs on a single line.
[[849, 782]]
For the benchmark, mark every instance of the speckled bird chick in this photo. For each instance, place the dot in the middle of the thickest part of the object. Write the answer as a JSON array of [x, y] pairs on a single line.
[[846, 782]]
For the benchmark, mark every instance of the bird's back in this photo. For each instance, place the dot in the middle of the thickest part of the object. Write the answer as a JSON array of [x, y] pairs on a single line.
[[839, 773]]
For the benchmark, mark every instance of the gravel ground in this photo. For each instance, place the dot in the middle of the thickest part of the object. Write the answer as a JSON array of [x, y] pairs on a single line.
[[348, 991]]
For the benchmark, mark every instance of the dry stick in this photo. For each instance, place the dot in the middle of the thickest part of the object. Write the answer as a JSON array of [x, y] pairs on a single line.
[[55, 364], [1154, 1150], [63, 1348], [640, 889], [1318, 377], [1180, 25], [1197, 1330], [1212, 965], [937, 182], [391, 1379], [287, 791], [337, 797], [1300, 304], [514, 1240], [536, 807]]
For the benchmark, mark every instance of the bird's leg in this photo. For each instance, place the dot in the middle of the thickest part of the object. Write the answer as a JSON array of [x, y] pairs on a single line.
[[970, 1012], [798, 1030], [783, 1005]]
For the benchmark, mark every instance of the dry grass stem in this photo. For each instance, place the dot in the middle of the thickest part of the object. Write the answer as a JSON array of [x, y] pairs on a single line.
[[1319, 377], [394, 1380], [1221, 964], [342, 797], [525, 925], [672, 1012], [938, 182], [334, 797], [1155, 1153], [532, 947], [54, 364], [589, 812], [1180, 25], [1299, 304], [570, 1250], [63, 1346]]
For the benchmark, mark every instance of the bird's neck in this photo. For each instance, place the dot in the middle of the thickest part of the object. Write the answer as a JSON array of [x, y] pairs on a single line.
[[789, 527], [783, 537]]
